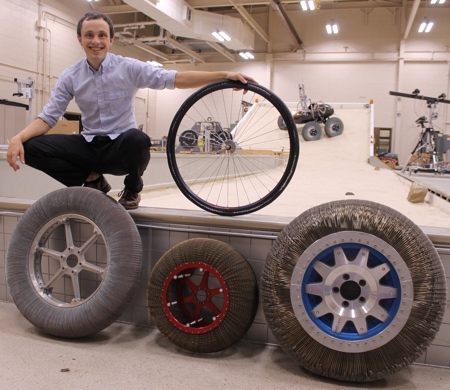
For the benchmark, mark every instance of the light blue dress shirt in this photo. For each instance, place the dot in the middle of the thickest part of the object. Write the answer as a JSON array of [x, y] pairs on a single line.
[[105, 97]]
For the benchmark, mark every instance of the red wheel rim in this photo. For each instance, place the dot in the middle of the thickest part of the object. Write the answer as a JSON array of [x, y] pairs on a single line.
[[195, 297]]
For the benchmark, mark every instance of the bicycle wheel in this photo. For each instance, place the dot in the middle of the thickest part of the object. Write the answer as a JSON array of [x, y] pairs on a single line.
[[248, 169]]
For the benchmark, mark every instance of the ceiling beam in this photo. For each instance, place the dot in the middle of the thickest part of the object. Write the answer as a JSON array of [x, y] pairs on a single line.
[[412, 16], [324, 4], [184, 49], [151, 50], [279, 9], [221, 50], [250, 20], [116, 9], [134, 24], [226, 3]]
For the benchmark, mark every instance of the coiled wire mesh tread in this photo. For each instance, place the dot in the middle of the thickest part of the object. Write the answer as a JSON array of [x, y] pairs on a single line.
[[73, 262], [353, 290], [202, 295], [225, 150]]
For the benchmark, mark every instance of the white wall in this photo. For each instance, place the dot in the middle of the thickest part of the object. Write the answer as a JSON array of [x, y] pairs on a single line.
[[365, 61]]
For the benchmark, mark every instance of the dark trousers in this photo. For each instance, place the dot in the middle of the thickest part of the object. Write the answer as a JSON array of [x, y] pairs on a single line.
[[70, 158]]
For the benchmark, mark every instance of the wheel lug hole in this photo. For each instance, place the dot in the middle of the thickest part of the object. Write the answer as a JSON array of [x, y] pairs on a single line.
[[345, 304], [336, 290], [362, 299], [362, 283], [346, 276]]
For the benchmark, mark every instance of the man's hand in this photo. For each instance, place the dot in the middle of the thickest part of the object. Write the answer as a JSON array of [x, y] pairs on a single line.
[[15, 149], [240, 77]]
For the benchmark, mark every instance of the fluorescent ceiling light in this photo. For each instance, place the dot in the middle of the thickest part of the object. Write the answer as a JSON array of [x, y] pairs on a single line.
[[308, 4], [224, 35], [216, 35], [332, 28], [425, 26], [221, 36], [247, 55]]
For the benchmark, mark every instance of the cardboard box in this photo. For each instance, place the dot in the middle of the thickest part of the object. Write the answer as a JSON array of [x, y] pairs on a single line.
[[390, 164], [65, 127], [426, 157]]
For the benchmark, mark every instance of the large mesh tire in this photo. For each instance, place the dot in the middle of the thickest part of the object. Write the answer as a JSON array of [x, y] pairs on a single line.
[[73, 262], [202, 295], [353, 290]]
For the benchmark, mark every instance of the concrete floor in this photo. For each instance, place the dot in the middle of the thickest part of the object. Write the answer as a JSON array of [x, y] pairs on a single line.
[[124, 356]]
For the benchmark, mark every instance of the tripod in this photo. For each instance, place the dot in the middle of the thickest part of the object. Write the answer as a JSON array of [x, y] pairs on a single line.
[[426, 145], [427, 142]]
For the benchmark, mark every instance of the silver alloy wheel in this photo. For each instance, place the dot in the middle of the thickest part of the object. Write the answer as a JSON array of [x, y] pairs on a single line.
[[74, 262], [57, 254], [355, 304]]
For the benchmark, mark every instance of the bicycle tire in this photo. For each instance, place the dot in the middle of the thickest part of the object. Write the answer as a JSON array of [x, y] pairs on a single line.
[[237, 176]]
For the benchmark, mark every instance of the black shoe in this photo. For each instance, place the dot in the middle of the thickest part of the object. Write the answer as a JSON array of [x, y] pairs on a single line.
[[129, 199], [100, 184]]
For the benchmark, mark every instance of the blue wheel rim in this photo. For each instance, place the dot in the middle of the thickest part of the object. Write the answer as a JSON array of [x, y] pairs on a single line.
[[351, 291], [375, 326]]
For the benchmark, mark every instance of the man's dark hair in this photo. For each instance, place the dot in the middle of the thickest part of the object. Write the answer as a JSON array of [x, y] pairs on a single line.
[[93, 16]]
